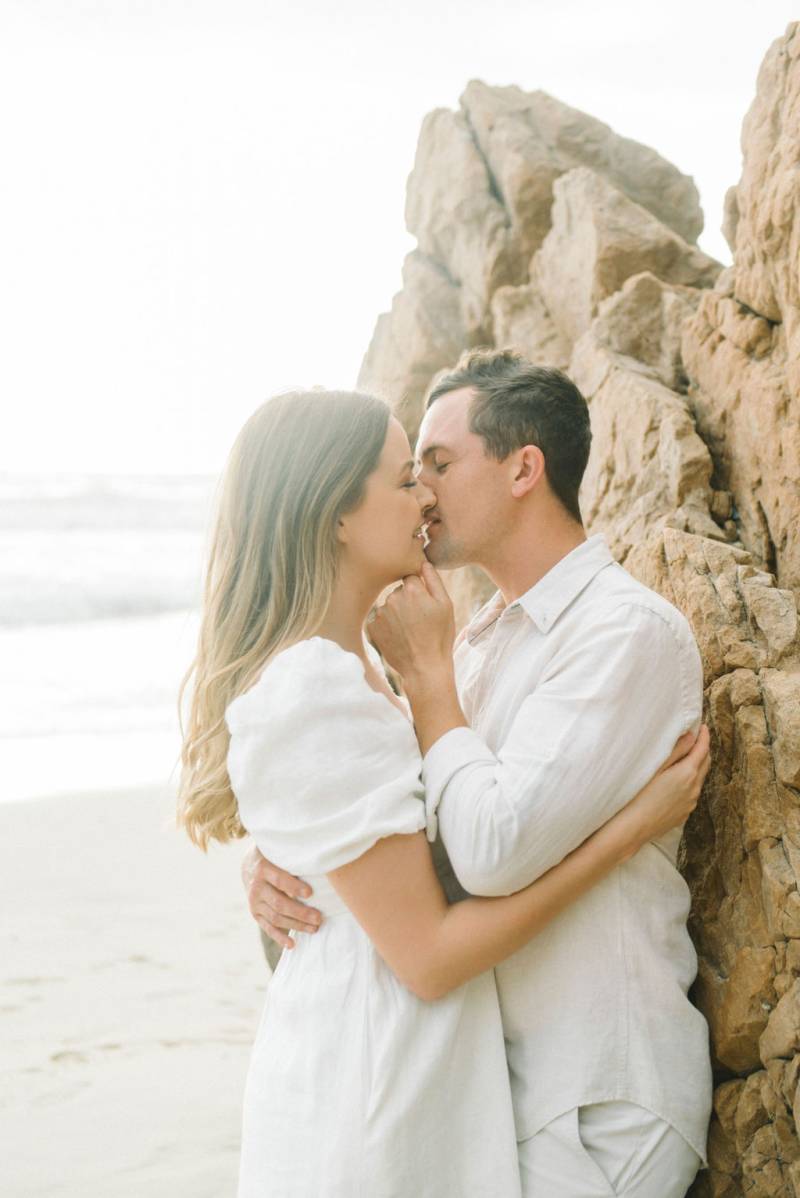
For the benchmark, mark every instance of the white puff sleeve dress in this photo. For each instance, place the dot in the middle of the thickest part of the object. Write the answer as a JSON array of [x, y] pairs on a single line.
[[356, 1088]]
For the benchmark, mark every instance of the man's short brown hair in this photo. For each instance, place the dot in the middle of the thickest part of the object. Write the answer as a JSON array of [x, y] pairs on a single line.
[[516, 404]]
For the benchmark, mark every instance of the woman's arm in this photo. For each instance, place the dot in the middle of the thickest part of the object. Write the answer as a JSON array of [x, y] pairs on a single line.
[[395, 895]]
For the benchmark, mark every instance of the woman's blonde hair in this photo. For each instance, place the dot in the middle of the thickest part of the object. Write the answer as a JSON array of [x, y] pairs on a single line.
[[300, 462]]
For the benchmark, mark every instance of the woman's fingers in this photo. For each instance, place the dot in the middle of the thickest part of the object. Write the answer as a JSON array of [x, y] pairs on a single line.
[[703, 744], [704, 768], [683, 745], [690, 762], [690, 749], [697, 764], [699, 754]]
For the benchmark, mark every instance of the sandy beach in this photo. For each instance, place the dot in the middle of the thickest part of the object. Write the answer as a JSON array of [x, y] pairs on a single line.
[[132, 984]]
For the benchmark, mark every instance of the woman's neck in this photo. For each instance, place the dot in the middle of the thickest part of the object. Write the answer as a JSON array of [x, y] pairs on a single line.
[[346, 614]]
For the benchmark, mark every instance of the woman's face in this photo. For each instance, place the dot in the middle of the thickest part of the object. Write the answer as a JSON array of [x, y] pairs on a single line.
[[382, 539]]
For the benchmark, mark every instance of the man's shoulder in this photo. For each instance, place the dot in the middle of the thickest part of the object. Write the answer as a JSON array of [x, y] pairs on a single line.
[[614, 597]]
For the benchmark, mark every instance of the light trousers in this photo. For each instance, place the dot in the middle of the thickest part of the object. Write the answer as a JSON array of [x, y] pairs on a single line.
[[607, 1150]]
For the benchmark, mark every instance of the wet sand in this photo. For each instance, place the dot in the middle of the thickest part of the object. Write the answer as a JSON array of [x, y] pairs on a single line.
[[132, 984]]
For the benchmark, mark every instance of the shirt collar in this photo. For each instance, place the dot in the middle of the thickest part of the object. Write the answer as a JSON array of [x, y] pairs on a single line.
[[551, 595], [485, 617]]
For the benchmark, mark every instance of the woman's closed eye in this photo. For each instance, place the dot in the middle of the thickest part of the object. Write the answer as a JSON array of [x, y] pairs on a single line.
[[413, 483]]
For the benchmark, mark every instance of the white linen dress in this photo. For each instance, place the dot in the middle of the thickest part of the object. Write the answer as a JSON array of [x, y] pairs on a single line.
[[356, 1088]]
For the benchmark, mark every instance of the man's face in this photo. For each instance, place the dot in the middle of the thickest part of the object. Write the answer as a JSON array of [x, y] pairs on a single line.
[[471, 489]]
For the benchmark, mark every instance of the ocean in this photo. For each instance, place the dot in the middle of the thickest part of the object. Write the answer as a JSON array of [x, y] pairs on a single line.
[[100, 582]]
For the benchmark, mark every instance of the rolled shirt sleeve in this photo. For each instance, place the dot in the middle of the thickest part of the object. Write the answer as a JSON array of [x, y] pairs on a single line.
[[602, 719]]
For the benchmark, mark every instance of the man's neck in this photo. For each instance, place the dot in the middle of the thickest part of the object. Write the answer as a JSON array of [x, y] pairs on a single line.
[[523, 560]]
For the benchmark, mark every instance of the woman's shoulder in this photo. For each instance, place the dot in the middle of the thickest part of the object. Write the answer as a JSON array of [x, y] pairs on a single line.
[[310, 676], [321, 764], [314, 657]]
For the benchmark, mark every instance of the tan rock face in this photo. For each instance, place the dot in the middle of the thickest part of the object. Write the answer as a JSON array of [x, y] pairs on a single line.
[[598, 239], [737, 366], [644, 321], [458, 220], [575, 246], [648, 467], [521, 319], [529, 139], [422, 333], [737, 849], [742, 350], [767, 238], [479, 203]]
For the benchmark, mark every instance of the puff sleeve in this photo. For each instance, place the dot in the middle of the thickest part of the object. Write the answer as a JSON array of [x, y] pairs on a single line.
[[322, 765]]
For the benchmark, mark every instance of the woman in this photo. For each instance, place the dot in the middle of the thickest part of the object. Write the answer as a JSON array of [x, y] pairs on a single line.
[[379, 1067]]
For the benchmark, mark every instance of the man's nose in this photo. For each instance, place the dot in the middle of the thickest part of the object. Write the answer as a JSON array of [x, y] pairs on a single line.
[[426, 497]]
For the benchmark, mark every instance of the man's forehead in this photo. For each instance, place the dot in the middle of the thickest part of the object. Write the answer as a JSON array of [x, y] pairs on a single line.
[[446, 422]]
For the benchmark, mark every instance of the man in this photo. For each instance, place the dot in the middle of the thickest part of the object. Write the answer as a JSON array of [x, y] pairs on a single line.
[[575, 682]]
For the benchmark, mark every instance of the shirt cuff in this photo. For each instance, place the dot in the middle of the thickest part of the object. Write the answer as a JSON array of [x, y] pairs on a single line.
[[449, 754]]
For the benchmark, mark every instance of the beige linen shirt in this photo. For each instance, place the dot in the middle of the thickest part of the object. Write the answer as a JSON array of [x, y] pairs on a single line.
[[575, 695]]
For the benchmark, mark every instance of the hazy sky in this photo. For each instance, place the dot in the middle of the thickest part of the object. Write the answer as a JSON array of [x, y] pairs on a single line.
[[203, 199]]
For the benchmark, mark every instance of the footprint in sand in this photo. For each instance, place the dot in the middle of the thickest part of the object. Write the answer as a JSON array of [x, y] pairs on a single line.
[[32, 981], [62, 1095], [69, 1057], [141, 959]]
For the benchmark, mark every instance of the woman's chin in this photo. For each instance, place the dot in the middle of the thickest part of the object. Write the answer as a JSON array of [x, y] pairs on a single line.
[[413, 561], [418, 554]]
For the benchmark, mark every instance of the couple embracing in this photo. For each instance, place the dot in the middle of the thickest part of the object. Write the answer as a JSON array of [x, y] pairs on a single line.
[[489, 997]]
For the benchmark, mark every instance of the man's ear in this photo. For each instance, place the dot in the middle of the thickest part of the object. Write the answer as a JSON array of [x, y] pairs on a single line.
[[528, 470]]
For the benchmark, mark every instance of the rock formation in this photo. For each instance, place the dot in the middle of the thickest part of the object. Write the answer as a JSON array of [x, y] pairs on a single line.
[[479, 203], [537, 226]]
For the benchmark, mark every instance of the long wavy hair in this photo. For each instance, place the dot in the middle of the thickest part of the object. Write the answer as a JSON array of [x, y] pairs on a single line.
[[300, 462]]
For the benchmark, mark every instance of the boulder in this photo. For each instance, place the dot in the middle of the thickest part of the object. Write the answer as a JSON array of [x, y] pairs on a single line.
[[644, 321], [458, 220], [599, 238], [658, 472], [521, 320], [736, 364], [422, 333], [530, 139], [742, 349], [479, 203], [767, 231]]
